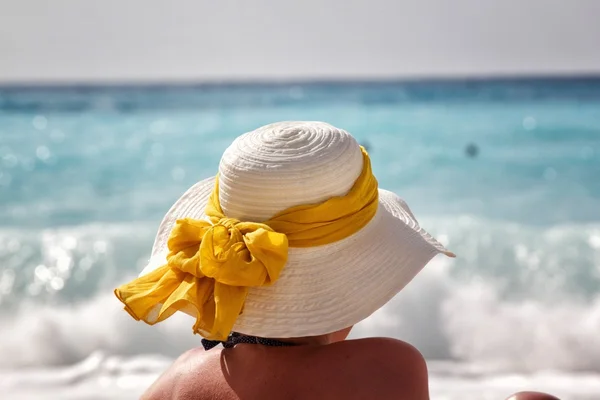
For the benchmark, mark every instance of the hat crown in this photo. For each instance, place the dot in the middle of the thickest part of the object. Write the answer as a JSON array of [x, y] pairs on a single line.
[[286, 164]]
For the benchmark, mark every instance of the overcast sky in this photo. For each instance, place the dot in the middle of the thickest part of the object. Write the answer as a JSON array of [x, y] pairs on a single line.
[[83, 40]]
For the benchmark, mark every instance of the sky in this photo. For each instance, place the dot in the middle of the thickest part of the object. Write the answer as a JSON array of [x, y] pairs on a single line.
[[200, 40]]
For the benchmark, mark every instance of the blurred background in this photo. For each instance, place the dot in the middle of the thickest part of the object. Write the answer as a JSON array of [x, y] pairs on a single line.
[[483, 115]]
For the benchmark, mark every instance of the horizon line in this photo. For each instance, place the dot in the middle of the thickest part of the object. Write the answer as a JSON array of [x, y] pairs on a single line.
[[413, 79]]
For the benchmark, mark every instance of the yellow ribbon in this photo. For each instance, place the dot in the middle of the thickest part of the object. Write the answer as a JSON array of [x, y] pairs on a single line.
[[211, 265]]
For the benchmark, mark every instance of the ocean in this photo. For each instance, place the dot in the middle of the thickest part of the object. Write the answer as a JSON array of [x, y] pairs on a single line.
[[506, 173]]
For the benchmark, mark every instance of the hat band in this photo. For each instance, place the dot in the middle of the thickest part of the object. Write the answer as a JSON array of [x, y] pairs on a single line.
[[211, 265]]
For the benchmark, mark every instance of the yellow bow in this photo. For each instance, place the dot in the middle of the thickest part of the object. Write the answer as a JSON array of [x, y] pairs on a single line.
[[211, 265]]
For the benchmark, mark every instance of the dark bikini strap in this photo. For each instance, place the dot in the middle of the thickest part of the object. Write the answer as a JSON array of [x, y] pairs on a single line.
[[237, 338]]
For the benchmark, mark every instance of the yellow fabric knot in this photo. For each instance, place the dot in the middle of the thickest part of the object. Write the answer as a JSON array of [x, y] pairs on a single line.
[[211, 265]]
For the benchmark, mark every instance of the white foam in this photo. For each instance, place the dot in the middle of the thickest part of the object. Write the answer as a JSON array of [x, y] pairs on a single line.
[[468, 386], [465, 310], [446, 319], [103, 377], [44, 335], [97, 377]]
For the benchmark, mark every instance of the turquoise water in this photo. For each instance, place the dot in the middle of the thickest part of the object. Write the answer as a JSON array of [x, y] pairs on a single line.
[[538, 143], [86, 173]]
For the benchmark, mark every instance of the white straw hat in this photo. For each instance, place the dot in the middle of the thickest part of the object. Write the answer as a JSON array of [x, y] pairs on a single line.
[[325, 288]]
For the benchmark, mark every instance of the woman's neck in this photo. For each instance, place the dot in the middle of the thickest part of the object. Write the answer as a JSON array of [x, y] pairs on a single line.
[[319, 340]]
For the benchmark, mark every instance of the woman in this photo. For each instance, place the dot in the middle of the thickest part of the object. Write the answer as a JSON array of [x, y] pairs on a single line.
[[277, 258]]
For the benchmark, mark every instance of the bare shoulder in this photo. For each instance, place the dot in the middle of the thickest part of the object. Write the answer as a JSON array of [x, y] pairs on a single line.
[[389, 344], [175, 380], [392, 368]]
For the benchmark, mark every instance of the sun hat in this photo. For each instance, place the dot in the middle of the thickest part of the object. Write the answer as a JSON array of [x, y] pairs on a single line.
[[292, 238]]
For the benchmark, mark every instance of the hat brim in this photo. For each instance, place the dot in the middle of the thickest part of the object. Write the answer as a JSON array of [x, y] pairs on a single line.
[[326, 288]]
